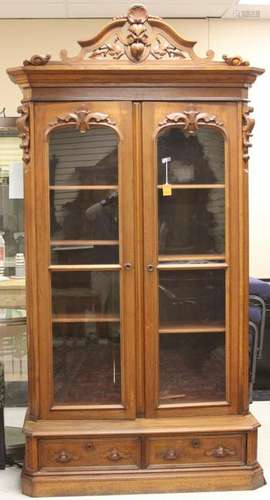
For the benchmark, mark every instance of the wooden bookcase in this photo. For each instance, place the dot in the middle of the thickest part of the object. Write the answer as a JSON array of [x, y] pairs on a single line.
[[136, 158]]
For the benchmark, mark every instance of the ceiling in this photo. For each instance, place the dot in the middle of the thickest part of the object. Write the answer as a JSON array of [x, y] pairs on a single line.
[[16, 9]]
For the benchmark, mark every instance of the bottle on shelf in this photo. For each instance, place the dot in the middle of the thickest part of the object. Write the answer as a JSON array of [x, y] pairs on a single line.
[[2, 254], [19, 265]]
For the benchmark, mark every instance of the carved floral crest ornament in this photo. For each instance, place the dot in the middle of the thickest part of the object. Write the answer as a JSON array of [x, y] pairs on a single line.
[[136, 37], [82, 119], [191, 120]]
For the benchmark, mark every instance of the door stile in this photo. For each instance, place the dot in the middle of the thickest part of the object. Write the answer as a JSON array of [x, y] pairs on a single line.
[[150, 264], [139, 263]]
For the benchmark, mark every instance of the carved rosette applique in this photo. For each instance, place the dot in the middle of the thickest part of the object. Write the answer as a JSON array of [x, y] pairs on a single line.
[[190, 120], [235, 61], [220, 452], [247, 127], [37, 60], [24, 131], [82, 119], [136, 37]]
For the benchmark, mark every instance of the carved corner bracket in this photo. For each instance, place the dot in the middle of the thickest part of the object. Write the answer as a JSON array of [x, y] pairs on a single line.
[[37, 60], [190, 120], [235, 61], [247, 127], [82, 119], [136, 37], [24, 131]]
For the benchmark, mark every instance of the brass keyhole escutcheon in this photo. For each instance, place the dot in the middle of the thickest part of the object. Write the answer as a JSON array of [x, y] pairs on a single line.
[[150, 268], [195, 443]]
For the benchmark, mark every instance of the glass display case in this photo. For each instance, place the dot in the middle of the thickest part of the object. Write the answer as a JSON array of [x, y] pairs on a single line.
[[135, 155]]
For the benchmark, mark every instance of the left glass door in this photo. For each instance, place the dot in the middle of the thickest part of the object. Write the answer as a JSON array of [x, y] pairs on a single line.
[[87, 250]]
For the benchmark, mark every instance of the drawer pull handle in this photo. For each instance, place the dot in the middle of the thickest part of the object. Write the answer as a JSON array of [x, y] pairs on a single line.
[[221, 452], [114, 455], [64, 457], [170, 454]]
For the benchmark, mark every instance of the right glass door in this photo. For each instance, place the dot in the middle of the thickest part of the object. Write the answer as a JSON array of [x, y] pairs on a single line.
[[187, 260]]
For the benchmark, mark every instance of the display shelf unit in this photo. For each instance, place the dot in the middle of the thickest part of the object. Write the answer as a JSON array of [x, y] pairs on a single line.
[[135, 155]]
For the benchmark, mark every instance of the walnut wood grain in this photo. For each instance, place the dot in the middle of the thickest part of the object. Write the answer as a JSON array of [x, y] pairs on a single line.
[[137, 76]]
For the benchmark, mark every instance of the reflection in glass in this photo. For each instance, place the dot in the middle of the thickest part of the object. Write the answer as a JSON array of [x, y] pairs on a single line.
[[85, 254], [13, 354], [195, 159], [192, 368], [187, 297], [83, 159], [191, 221], [85, 294], [84, 215], [11, 196], [86, 363]]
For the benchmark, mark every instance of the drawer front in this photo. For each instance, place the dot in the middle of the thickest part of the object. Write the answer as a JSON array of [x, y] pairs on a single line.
[[96, 452], [200, 449]]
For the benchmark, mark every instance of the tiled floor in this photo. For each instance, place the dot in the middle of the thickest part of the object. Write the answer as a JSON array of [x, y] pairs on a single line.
[[10, 478]]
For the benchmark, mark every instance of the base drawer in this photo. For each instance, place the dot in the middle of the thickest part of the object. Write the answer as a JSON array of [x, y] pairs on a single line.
[[196, 449], [96, 452]]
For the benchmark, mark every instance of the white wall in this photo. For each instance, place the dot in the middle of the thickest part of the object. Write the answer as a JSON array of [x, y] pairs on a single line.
[[20, 39]]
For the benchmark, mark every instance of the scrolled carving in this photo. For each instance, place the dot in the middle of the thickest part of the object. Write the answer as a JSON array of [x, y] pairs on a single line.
[[136, 37], [37, 60], [170, 454], [247, 127], [220, 452], [235, 61], [190, 120], [82, 119], [24, 131], [114, 455], [64, 457]]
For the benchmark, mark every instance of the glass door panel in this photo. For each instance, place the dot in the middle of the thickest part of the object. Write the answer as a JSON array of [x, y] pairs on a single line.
[[192, 367], [84, 230], [195, 159], [78, 159], [90, 261], [86, 362], [87, 294], [191, 222], [188, 298]]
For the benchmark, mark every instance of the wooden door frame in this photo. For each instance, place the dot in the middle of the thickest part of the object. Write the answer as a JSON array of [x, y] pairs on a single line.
[[120, 114], [227, 113]]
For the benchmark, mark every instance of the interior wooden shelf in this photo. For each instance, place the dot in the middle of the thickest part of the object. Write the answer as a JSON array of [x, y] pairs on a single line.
[[194, 186], [196, 257], [83, 242], [85, 318], [174, 266], [82, 187], [211, 327], [85, 267]]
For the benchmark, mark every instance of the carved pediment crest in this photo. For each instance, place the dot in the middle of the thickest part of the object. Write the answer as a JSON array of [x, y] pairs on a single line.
[[136, 37]]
